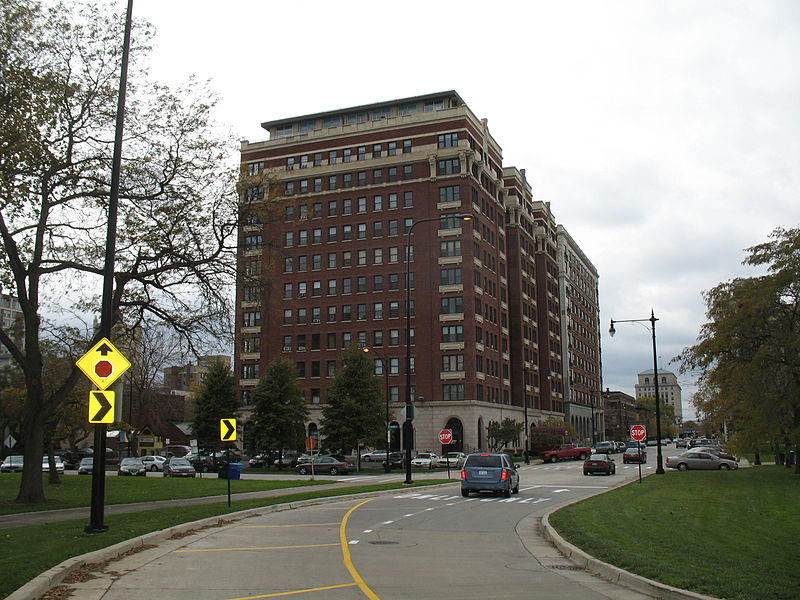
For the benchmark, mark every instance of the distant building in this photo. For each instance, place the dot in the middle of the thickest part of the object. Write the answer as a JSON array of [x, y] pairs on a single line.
[[180, 380], [668, 389], [620, 413], [579, 297], [11, 321]]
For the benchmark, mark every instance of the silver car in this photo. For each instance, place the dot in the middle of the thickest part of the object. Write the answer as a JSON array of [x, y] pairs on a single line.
[[700, 460]]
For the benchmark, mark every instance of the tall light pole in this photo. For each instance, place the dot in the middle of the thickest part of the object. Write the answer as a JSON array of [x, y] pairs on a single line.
[[652, 319], [387, 467], [525, 404], [408, 426]]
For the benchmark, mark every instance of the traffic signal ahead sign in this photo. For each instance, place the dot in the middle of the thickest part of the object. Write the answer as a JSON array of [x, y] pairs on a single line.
[[103, 364]]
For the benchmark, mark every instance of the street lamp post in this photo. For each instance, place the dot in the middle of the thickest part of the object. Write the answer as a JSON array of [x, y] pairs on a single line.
[[652, 319], [525, 404], [387, 467], [408, 427]]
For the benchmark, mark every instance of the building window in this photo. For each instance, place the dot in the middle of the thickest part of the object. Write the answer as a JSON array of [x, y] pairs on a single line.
[[347, 285], [392, 201], [347, 312], [380, 113], [347, 258], [377, 337], [287, 316], [331, 287], [361, 231], [316, 236], [347, 180], [318, 159], [447, 140], [361, 314], [362, 178], [452, 362], [361, 258], [394, 337], [361, 284], [394, 309], [347, 206], [377, 176], [361, 205], [406, 146], [332, 121], [253, 242], [332, 182], [452, 333], [361, 154], [377, 283], [450, 193], [331, 319], [376, 150], [432, 105], [408, 199], [392, 149], [347, 155], [452, 248], [251, 319], [302, 316], [330, 366], [377, 229], [318, 184], [450, 166], [332, 157], [347, 232], [288, 264], [394, 254], [392, 174], [377, 256], [407, 109], [394, 281], [393, 227], [451, 306], [352, 118], [450, 276], [250, 371], [453, 392], [287, 290], [408, 172], [377, 310]]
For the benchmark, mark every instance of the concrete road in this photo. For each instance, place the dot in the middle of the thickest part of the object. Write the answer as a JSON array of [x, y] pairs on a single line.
[[407, 544]]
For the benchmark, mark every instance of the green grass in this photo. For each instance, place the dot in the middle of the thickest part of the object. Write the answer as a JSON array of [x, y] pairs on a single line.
[[732, 535], [31, 550], [75, 490]]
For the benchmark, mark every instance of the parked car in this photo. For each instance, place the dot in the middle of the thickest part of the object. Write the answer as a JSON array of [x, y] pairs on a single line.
[[46, 464], [261, 459], [620, 446], [634, 455], [12, 464], [452, 459], [424, 460], [699, 460], [153, 462], [85, 466], [178, 450], [131, 466], [178, 467], [599, 463], [604, 448], [376, 456], [681, 442], [324, 464], [397, 460], [489, 471], [694, 442], [715, 450]]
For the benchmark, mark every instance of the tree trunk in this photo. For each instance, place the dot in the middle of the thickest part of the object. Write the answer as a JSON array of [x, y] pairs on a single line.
[[31, 489]]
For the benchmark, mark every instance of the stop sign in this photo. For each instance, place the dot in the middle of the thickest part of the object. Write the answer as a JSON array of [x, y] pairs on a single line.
[[638, 433], [446, 436]]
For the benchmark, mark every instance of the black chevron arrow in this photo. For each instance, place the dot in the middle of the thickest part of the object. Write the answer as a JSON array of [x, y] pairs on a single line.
[[104, 349], [105, 406], [231, 429]]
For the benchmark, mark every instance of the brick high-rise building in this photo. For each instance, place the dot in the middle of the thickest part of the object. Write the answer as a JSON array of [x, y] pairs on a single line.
[[327, 203]]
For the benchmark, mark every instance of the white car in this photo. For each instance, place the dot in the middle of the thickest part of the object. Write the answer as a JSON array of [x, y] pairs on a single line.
[[375, 456], [424, 460], [59, 465], [154, 463], [452, 459]]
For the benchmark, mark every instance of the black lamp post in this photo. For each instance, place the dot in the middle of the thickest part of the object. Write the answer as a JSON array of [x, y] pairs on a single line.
[[652, 319], [525, 404], [408, 426], [387, 467]]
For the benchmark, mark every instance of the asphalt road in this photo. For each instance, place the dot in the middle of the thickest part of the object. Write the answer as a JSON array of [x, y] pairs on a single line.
[[416, 544]]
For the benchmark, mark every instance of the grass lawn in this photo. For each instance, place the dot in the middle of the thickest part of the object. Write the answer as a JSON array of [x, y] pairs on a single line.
[[29, 551], [732, 534], [76, 490]]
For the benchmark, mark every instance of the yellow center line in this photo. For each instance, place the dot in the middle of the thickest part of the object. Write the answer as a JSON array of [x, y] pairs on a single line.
[[295, 525], [258, 548], [275, 595], [346, 554]]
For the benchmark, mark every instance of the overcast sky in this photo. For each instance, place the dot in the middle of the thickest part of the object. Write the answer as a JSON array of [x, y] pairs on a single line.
[[665, 135]]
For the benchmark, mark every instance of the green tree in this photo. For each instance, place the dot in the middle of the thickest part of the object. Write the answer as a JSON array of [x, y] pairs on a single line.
[[279, 410], [355, 411], [749, 350], [216, 400], [504, 433], [178, 209]]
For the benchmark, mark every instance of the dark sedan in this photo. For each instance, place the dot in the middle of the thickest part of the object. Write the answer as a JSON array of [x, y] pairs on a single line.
[[178, 467], [634, 455], [599, 463], [132, 466], [324, 464]]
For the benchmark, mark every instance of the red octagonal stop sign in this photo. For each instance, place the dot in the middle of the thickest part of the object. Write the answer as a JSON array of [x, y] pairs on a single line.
[[104, 368], [446, 436], [638, 432]]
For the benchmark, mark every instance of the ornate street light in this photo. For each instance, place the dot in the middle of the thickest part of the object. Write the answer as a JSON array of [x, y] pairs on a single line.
[[408, 426], [387, 467], [652, 320]]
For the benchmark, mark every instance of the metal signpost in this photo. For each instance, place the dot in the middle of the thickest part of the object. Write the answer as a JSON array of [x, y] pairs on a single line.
[[638, 434], [446, 438], [227, 433]]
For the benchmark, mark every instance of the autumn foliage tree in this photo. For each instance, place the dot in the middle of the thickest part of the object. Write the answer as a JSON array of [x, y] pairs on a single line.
[[749, 350], [178, 207]]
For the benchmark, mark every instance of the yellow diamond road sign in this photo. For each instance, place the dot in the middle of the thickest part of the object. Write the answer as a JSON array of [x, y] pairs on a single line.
[[101, 406], [103, 364], [227, 430]]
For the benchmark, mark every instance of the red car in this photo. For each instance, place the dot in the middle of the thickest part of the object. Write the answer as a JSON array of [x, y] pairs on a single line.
[[634, 455], [599, 463]]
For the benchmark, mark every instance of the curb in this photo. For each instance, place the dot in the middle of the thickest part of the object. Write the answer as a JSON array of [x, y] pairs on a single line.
[[43, 583], [612, 573]]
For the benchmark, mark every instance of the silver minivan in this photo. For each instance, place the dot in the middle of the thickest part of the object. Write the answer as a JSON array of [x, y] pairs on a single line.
[[489, 471]]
